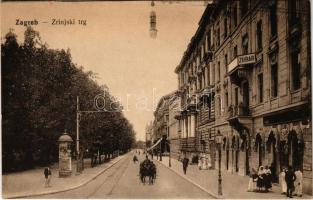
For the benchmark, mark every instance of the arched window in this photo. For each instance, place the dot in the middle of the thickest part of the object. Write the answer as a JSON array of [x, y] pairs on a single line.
[[243, 143], [258, 142], [294, 145], [258, 147]]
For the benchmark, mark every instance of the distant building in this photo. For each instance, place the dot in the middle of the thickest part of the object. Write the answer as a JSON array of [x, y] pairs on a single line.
[[165, 125], [149, 131]]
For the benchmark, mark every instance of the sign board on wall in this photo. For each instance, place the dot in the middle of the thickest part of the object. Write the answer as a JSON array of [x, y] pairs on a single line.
[[246, 59], [242, 60]]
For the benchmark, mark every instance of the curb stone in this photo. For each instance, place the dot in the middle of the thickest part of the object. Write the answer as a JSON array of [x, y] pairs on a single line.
[[63, 190], [194, 183]]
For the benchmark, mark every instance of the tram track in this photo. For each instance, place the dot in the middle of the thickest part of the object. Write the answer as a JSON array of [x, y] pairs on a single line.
[[115, 175]]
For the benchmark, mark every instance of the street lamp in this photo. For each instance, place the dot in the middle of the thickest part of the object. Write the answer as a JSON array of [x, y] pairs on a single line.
[[79, 167], [161, 149], [169, 155], [80, 157], [168, 145], [218, 141]]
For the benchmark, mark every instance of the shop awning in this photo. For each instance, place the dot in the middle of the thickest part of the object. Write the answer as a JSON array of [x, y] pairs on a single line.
[[296, 113], [155, 145]]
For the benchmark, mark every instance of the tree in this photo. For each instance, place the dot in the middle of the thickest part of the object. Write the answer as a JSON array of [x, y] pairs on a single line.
[[39, 90]]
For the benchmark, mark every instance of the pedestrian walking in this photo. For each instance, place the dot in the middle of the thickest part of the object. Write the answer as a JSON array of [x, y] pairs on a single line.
[[47, 173], [200, 163], [185, 164], [252, 181], [283, 181], [290, 179], [298, 182]]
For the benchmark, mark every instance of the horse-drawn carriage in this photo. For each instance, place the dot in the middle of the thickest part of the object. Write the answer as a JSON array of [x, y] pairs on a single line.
[[147, 169], [135, 159]]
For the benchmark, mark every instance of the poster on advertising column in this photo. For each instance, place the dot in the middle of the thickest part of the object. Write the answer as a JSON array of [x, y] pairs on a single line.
[[64, 157]]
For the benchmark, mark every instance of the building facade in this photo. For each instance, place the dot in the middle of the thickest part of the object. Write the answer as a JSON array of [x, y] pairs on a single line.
[[196, 86], [149, 132], [173, 125], [166, 125], [247, 75]]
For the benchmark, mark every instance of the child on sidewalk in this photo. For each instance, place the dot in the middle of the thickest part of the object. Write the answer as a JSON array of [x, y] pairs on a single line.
[[47, 173]]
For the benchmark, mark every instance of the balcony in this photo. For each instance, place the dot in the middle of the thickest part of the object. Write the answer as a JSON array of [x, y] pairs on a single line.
[[239, 117], [218, 86], [238, 68], [208, 56], [295, 28], [207, 93], [191, 103], [192, 78], [162, 123], [200, 69], [178, 116], [237, 111]]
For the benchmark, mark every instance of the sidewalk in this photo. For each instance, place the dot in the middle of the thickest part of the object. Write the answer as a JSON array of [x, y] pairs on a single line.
[[233, 186], [31, 182]]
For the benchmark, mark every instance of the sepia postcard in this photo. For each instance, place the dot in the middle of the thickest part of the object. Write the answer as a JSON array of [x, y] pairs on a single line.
[[207, 99]]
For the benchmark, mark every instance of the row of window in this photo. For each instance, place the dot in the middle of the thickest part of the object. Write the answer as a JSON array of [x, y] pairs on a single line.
[[294, 56], [231, 24], [295, 80]]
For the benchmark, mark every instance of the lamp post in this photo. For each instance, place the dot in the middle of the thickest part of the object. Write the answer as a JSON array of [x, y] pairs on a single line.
[[80, 159], [169, 155], [168, 145], [161, 149], [79, 167], [218, 141]]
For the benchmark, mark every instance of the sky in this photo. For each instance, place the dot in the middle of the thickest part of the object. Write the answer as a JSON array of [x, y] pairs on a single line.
[[115, 43]]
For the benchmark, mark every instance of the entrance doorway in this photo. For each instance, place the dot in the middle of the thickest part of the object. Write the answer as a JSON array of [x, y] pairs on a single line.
[[235, 147], [271, 146], [258, 146]]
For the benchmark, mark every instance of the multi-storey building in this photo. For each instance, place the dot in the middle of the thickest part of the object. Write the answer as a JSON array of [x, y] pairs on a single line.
[[161, 118], [196, 87], [149, 131], [165, 124], [246, 75], [173, 124]]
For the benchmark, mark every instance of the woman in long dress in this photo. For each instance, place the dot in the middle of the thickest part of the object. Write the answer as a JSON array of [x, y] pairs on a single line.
[[252, 181], [268, 178], [283, 181], [200, 163], [260, 181]]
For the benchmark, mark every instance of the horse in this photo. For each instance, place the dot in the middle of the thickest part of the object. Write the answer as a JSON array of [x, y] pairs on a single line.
[[147, 169]]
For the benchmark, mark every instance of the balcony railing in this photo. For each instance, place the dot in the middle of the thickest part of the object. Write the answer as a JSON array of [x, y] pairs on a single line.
[[208, 55], [238, 110]]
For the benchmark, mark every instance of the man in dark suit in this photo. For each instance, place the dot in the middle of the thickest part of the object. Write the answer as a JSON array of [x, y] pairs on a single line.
[[185, 164], [290, 179]]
